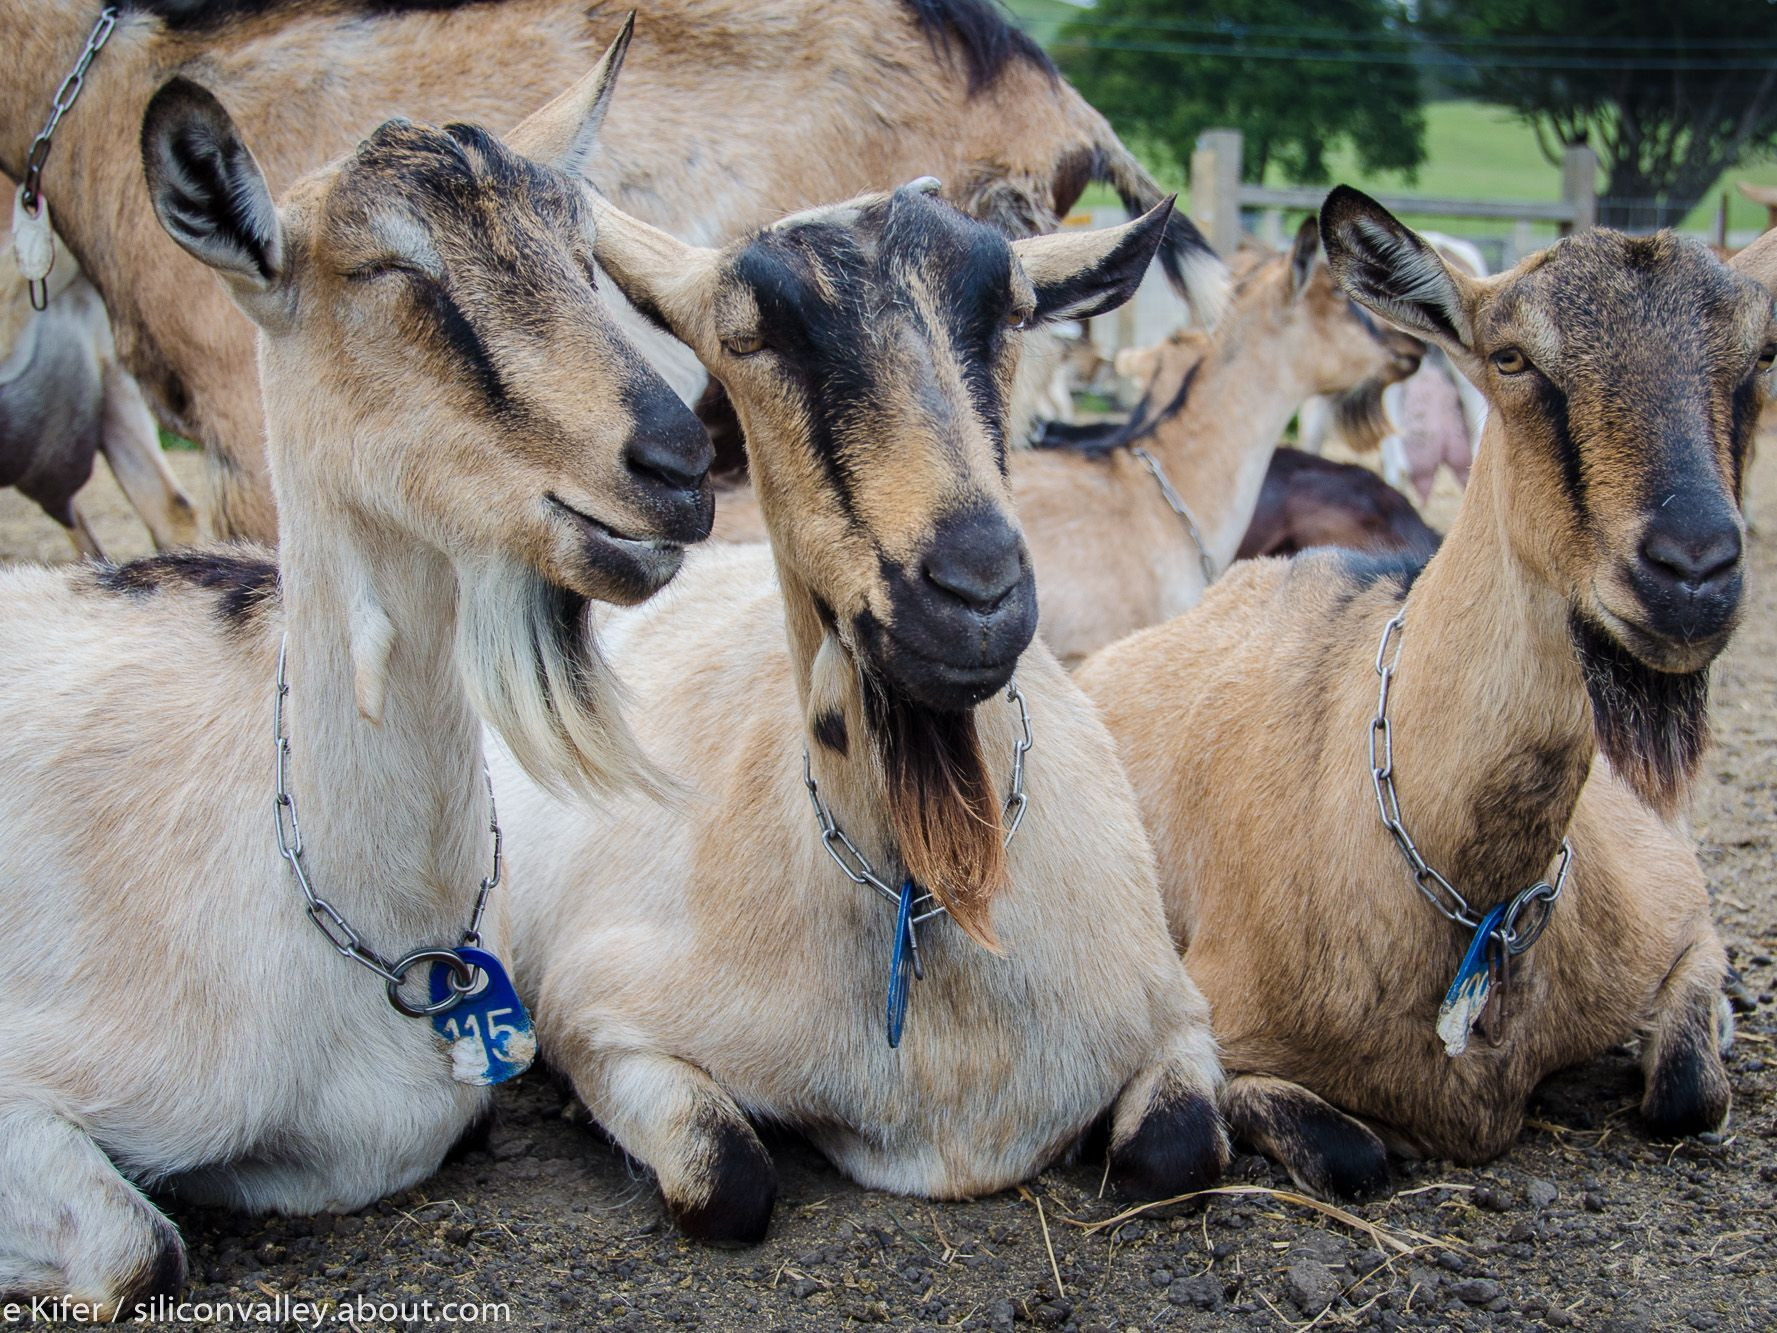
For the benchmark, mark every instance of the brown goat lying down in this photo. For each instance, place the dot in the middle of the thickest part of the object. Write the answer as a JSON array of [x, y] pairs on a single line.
[[737, 111], [1548, 681], [699, 965]]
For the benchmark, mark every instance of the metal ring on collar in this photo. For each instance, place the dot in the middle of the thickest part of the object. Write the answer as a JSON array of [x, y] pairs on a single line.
[[462, 981]]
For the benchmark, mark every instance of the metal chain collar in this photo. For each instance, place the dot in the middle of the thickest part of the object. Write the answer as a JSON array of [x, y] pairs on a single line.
[[1438, 891], [338, 931], [1176, 503], [31, 188], [858, 868]]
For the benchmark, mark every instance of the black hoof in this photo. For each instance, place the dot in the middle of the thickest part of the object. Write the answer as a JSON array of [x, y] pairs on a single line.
[[743, 1189], [1338, 1157], [1179, 1146], [1688, 1093], [163, 1275]]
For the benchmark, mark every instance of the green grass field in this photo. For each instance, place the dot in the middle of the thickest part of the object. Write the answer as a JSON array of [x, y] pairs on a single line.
[[1473, 151]]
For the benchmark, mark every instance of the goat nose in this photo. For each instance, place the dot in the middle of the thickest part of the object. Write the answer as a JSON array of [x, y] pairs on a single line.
[[1692, 559], [678, 457], [978, 568]]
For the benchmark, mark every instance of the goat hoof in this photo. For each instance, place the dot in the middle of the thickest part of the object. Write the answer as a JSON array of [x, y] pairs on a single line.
[[1179, 1146], [1340, 1158], [1688, 1094], [743, 1188]]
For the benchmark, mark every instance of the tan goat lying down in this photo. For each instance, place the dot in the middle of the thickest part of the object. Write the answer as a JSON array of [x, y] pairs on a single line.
[[65, 397], [459, 434], [1111, 555], [697, 965], [814, 101], [1548, 679]]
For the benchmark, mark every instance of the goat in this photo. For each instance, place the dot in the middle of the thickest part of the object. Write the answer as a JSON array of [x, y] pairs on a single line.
[[465, 451], [1544, 685], [65, 397], [863, 659], [1111, 554], [817, 101], [1311, 501]]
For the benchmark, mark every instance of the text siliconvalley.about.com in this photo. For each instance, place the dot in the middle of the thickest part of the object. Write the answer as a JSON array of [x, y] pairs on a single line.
[[278, 1310]]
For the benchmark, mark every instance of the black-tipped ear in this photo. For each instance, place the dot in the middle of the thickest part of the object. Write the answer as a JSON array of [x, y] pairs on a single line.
[[1081, 274], [206, 188], [1385, 265], [1304, 255]]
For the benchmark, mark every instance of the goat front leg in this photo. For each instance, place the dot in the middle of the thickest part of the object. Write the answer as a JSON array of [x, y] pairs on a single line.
[[1687, 1088], [1326, 1152], [72, 1229], [1167, 1138], [715, 1175], [132, 447]]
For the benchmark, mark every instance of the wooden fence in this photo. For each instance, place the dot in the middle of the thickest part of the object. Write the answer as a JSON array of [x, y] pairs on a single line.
[[1218, 196]]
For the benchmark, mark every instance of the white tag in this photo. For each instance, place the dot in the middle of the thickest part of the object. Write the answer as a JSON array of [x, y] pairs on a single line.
[[33, 243]]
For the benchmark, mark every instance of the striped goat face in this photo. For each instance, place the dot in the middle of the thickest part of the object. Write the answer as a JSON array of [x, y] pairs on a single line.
[[869, 349], [1625, 375], [435, 292]]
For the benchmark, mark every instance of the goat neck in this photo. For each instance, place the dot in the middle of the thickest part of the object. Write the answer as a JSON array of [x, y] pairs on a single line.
[[1493, 733]]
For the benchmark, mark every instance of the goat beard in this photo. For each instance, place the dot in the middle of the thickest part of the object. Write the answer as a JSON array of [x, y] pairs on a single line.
[[1361, 417], [535, 675], [1653, 726], [942, 803]]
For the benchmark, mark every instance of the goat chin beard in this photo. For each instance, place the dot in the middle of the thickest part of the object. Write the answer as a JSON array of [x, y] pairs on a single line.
[[943, 806], [535, 675]]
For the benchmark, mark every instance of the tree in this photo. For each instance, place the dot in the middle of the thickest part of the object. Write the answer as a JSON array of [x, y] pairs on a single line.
[[1294, 76], [1668, 93]]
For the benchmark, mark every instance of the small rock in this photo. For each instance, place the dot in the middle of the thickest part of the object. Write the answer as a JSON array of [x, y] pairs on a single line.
[[1542, 1193], [1452, 1262], [1592, 1202], [1203, 1292], [1160, 1277], [1311, 1285], [1558, 1318], [1477, 1290], [1520, 1232], [1491, 1199]]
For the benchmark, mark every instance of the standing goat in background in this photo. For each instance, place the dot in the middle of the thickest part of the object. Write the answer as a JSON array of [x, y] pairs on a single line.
[[699, 966], [816, 101], [1542, 713], [64, 397], [466, 450]]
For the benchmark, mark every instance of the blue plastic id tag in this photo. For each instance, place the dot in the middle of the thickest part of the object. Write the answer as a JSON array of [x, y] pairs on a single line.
[[488, 1030], [1468, 994], [900, 965]]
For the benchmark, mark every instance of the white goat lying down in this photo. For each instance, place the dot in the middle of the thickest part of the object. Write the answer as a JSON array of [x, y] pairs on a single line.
[[700, 965], [458, 436], [1592, 575], [64, 397]]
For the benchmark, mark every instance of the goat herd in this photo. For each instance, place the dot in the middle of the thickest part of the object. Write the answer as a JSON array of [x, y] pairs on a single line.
[[1334, 855]]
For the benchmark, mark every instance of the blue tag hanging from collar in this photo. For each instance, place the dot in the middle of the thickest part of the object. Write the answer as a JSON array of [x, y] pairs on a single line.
[[1469, 992], [901, 963], [488, 1031]]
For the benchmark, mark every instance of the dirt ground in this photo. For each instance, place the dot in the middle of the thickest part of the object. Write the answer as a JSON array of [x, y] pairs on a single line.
[[1586, 1223]]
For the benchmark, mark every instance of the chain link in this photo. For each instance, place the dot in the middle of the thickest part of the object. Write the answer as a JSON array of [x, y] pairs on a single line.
[[1438, 891], [332, 924], [857, 866], [63, 101], [1176, 503]]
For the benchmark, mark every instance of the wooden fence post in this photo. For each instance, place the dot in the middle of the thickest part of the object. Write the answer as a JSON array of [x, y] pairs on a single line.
[[1579, 187], [1215, 188]]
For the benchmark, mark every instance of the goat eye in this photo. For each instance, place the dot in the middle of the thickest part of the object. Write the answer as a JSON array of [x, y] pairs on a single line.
[[1017, 319], [1768, 357], [383, 268], [743, 344], [1510, 361]]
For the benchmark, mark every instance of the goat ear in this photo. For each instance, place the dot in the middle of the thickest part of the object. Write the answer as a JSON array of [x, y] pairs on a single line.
[[207, 190], [661, 275], [1758, 261], [1385, 265], [1304, 255], [1079, 274], [562, 134]]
